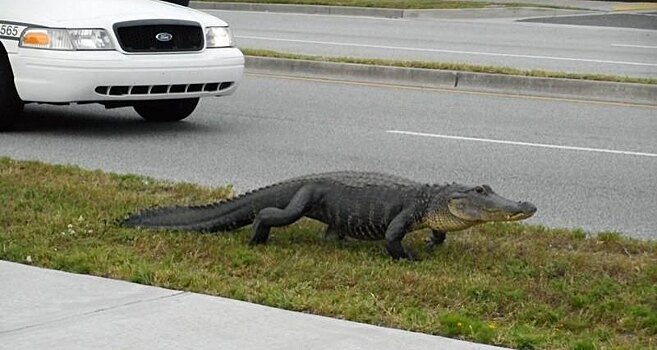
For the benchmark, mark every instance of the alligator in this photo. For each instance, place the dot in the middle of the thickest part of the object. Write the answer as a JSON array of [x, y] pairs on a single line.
[[360, 205]]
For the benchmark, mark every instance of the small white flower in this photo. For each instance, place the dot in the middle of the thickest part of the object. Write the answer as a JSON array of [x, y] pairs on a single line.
[[28, 259]]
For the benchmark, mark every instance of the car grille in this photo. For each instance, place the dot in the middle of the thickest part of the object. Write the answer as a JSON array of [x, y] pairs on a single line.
[[174, 36], [175, 89]]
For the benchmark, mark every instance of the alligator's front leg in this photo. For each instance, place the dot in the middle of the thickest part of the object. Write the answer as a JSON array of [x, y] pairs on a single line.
[[436, 238], [395, 232], [270, 217]]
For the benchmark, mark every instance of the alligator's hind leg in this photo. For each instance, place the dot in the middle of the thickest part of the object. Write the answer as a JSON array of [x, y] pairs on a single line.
[[270, 217]]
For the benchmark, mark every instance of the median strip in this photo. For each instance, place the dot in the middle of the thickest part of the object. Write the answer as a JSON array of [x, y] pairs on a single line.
[[458, 77], [393, 8], [475, 53], [642, 6]]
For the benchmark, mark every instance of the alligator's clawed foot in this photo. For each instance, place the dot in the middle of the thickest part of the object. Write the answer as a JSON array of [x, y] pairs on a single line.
[[411, 257], [260, 234], [332, 235], [254, 241], [436, 238], [401, 255], [429, 244]]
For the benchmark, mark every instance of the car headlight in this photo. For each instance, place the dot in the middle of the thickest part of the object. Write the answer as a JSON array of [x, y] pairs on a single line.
[[66, 39], [218, 37], [90, 39]]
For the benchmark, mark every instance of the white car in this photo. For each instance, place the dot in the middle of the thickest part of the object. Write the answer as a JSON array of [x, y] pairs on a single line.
[[154, 56]]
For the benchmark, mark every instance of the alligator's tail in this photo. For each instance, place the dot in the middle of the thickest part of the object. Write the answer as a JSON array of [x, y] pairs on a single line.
[[221, 216]]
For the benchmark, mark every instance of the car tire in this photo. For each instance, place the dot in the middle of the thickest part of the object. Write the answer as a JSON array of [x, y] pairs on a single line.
[[179, 2], [10, 104], [166, 110]]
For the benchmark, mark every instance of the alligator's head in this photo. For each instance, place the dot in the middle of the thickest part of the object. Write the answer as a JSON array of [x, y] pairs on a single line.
[[468, 206], [482, 204]]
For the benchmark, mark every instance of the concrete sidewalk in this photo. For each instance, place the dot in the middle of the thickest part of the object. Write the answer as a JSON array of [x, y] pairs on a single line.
[[48, 309]]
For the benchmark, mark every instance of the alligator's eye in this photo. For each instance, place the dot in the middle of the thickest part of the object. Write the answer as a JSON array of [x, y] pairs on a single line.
[[479, 189]]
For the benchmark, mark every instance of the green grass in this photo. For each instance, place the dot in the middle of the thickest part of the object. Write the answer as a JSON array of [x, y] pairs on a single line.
[[405, 4], [521, 286], [449, 66]]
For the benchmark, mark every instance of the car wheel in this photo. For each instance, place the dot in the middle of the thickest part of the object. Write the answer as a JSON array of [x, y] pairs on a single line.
[[10, 104], [179, 2], [166, 110]]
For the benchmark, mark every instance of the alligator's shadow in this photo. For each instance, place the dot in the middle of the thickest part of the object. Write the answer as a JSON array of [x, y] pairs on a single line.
[[95, 120]]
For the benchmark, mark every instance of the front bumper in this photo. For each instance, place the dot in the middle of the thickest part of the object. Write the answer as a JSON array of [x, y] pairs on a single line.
[[98, 76]]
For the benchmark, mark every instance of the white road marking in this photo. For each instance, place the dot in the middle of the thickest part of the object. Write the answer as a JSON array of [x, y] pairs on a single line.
[[529, 144], [635, 46], [450, 51]]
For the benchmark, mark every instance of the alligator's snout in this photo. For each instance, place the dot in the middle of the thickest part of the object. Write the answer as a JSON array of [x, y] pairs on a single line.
[[525, 210]]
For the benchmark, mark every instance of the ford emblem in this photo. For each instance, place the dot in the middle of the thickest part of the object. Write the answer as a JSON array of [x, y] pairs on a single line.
[[164, 37]]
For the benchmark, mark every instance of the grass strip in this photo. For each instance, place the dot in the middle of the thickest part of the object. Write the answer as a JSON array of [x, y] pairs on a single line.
[[449, 66], [508, 284], [393, 4], [404, 4]]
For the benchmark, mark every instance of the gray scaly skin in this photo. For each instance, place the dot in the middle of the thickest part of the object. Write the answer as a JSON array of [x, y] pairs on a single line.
[[361, 205]]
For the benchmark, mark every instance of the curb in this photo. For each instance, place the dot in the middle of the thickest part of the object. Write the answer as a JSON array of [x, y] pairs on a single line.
[[460, 81], [314, 9], [495, 12]]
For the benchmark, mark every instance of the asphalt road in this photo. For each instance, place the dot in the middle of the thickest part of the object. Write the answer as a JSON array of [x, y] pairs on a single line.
[[276, 127], [500, 42]]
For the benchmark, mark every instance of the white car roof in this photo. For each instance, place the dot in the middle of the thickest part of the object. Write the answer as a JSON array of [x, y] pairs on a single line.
[[97, 13]]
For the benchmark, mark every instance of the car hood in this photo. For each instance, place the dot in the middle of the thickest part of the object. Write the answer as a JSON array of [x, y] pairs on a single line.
[[97, 13]]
